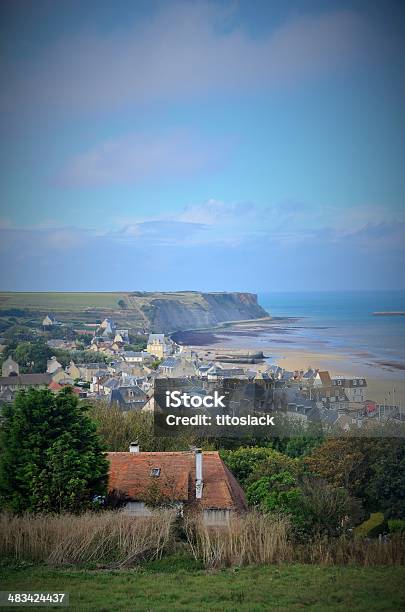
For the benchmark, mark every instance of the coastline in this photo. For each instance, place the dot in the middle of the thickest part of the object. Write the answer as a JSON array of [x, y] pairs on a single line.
[[274, 337]]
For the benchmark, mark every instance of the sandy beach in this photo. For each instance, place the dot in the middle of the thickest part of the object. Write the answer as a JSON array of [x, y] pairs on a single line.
[[272, 337]]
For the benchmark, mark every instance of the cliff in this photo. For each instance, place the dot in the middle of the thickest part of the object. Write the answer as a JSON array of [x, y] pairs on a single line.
[[169, 312], [136, 310]]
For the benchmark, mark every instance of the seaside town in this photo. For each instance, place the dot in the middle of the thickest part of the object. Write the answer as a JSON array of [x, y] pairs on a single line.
[[102, 362]]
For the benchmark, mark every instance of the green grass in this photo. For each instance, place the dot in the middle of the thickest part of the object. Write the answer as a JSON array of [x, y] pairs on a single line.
[[55, 301], [171, 584]]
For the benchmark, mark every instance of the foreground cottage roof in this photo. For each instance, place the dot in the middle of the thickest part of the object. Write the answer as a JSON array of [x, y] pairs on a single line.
[[131, 473]]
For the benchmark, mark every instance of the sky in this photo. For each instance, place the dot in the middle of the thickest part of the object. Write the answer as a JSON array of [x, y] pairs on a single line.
[[241, 145]]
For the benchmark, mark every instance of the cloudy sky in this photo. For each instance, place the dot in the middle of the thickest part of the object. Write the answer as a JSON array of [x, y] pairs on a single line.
[[228, 145]]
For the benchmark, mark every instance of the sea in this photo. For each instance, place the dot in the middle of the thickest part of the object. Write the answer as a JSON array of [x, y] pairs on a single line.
[[342, 322]]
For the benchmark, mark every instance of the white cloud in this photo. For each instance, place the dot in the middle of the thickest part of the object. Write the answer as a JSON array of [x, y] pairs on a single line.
[[183, 50], [137, 158]]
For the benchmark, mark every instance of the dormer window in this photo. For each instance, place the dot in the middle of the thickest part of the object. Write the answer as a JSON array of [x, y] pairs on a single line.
[[155, 472]]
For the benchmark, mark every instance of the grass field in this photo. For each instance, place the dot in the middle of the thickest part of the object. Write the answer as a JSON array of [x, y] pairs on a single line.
[[59, 301], [171, 584]]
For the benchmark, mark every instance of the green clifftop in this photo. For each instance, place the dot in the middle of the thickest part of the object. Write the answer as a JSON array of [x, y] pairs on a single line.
[[149, 311]]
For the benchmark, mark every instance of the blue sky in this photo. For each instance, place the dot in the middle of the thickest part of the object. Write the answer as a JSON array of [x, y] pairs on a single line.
[[202, 145]]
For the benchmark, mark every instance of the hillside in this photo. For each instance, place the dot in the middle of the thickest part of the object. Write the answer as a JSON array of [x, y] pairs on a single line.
[[150, 311]]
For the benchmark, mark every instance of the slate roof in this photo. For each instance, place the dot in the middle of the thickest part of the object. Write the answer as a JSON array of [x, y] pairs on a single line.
[[153, 338], [169, 362], [127, 396], [130, 473], [26, 380]]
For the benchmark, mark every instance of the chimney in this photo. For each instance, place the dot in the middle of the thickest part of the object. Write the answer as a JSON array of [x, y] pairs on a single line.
[[134, 447], [198, 473]]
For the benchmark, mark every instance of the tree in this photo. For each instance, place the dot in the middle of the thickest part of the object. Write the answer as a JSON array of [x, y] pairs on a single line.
[[386, 487], [16, 334], [249, 464], [299, 446], [52, 458], [32, 356], [314, 507], [155, 364], [117, 429], [372, 469], [341, 461]]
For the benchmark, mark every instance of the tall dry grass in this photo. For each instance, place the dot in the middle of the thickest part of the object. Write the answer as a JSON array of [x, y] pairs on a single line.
[[113, 539], [352, 551], [257, 539], [110, 538], [252, 539]]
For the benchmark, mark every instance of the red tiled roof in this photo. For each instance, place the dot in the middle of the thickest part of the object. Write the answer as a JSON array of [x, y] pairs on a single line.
[[130, 474], [54, 386]]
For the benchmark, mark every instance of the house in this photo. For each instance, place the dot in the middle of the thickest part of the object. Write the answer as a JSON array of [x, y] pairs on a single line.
[[264, 379], [55, 387], [158, 346], [73, 370], [308, 377], [98, 380], [128, 397], [216, 372], [354, 387], [202, 370], [177, 367], [329, 398], [169, 365], [10, 367], [135, 356], [24, 381], [7, 396], [121, 335], [192, 479], [322, 379], [49, 321], [52, 365], [85, 371], [106, 329], [61, 377]]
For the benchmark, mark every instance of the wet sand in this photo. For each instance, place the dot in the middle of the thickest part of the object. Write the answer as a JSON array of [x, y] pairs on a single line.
[[271, 336]]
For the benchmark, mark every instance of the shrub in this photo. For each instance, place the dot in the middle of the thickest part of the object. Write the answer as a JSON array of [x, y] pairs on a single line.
[[315, 508], [248, 464], [396, 526]]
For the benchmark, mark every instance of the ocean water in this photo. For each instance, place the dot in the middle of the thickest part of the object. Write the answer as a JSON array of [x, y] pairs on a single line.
[[343, 322]]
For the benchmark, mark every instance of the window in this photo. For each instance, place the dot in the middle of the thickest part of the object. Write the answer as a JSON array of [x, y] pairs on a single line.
[[155, 472], [339, 382]]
